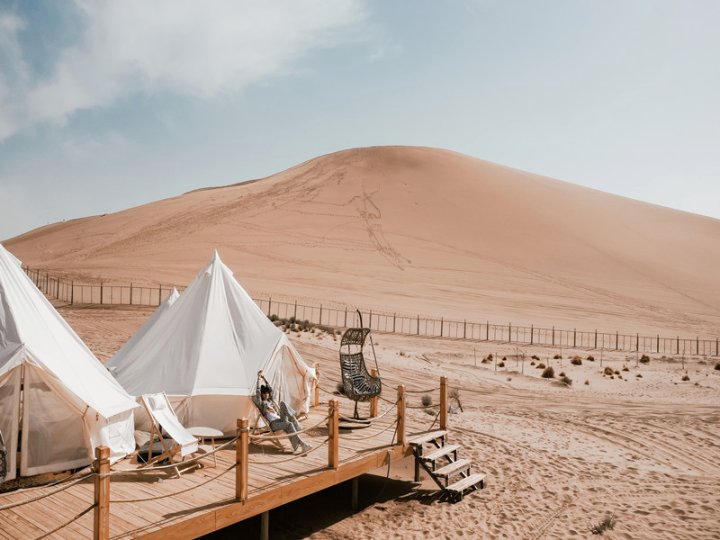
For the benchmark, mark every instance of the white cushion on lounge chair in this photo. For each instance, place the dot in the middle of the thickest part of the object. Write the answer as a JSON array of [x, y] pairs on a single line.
[[164, 415]]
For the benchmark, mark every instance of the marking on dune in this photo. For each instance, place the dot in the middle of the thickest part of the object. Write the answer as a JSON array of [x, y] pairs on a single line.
[[371, 214]]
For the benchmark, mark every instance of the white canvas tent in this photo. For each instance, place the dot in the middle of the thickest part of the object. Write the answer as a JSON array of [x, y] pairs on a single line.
[[57, 401], [205, 353]]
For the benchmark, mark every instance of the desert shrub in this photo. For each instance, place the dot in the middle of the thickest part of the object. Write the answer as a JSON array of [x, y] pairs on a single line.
[[685, 377], [540, 366], [565, 379], [509, 379], [533, 363], [535, 357], [606, 524], [340, 388], [557, 357], [644, 359], [562, 374], [576, 361], [608, 371], [639, 375], [591, 358], [587, 383], [717, 366], [625, 368], [426, 400], [548, 373], [273, 317], [277, 322], [616, 372], [487, 359], [501, 364]]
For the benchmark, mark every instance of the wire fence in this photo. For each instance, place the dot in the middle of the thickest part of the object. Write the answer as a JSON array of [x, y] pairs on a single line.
[[395, 323]]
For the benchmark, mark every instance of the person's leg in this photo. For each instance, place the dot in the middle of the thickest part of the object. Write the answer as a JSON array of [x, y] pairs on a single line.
[[288, 414], [289, 428]]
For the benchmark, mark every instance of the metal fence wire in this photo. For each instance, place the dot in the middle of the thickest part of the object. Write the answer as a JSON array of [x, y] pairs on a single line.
[[384, 322]]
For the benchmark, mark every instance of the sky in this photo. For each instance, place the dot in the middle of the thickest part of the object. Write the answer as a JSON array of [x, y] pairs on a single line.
[[109, 105]]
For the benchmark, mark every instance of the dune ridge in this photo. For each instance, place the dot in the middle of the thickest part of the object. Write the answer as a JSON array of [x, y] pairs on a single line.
[[416, 230]]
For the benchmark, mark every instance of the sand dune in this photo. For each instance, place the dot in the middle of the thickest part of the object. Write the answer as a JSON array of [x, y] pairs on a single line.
[[417, 230]]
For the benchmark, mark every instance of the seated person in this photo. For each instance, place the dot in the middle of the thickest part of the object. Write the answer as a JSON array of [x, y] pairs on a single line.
[[282, 419]]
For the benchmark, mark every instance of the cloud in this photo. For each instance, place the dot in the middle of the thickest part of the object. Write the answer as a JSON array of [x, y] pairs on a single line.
[[202, 50]]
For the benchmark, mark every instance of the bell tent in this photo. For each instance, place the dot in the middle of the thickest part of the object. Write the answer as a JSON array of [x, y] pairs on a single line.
[[57, 401], [205, 353]]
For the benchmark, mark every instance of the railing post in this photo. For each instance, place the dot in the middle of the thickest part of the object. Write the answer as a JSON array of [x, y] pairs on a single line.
[[401, 414], [72, 292], [509, 332], [595, 347], [131, 287], [333, 434], [394, 314], [320, 314], [241, 459], [316, 397], [374, 399], [442, 324], [269, 305], [574, 337], [418, 325], [465, 329], [532, 334], [101, 293], [443, 402], [101, 511]]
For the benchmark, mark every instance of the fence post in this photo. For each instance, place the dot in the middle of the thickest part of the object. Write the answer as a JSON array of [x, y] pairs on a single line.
[[394, 315], [553, 335], [241, 459], [465, 329], [677, 351], [442, 324], [320, 314], [509, 332], [316, 399], [333, 434], [617, 347], [637, 342], [374, 399], [101, 511], [370, 323], [487, 330], [697, 345], [574, 337], [443, 402], [270, 305], [595, 339], [401, 414], [532, 332], [72, 292], [131, 287], [418, 325]]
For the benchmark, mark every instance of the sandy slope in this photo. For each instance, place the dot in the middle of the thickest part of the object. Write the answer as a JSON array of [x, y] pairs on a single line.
[[417, 230], [558, 458]]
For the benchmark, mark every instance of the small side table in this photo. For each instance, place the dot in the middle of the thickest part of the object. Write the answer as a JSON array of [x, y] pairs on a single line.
[[202, 433]]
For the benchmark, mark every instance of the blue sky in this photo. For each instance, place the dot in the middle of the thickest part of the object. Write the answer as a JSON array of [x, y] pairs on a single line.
[[107, 105]]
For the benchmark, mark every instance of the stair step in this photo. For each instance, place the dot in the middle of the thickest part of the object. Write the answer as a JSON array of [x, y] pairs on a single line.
[[440, 452], [453, 468], [426, 437], [464, 483]]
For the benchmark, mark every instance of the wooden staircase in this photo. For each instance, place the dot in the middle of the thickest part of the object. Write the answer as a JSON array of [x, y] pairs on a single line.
[[441, 462]]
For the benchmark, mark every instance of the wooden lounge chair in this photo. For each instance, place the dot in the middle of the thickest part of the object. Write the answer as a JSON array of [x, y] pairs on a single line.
[[262, 426], [173, 438]]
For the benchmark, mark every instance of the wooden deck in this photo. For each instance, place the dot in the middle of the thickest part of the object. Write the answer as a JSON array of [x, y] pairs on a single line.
[[158, 505]]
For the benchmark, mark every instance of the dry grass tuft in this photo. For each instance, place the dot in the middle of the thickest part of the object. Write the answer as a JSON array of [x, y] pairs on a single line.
[[608, 371], [426, 400], [540, 366], [644, 359], [501, 364], [591, 357], [557, 357], [625, 368], [685, 377], [565, 379], [717, 366], [639, 375], [548, 373], [606, 524], [587, 382], [576, 361]]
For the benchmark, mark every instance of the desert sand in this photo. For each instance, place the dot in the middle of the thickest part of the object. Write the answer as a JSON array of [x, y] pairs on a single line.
[[418, 230], [559, 458]]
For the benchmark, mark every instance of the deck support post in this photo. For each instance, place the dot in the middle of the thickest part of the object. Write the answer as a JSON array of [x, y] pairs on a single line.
[[443, 402], [101, 511], [241, 459], [401, 414], [333, 434], [374, 399], [354, 500], [265, 525], [316, 399]]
